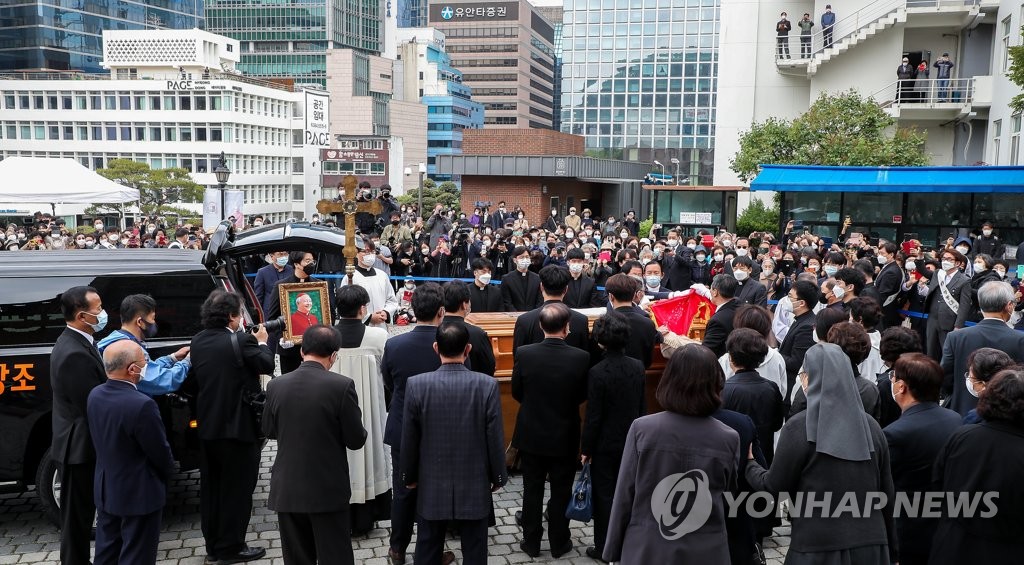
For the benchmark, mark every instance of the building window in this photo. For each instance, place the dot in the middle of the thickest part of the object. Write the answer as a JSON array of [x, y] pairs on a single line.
[[997, 133], [1015, 139], [1007, 29]]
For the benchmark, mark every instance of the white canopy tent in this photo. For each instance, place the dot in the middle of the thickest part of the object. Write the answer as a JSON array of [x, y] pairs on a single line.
[[56, 181]]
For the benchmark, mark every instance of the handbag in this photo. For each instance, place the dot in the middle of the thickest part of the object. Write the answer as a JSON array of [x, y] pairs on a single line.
[[255, 400], [580, 507]]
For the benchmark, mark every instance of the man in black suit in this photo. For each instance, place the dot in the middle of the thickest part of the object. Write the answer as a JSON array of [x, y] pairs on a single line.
[[406, 356], [582, 291], [227, 365], [453, 449], [484, 296], [723, 291], [915, 440], [520, 289], [75, 369], [749, 290], [314, 416], [997, 303], [133, 460], [622, 291], [943, 306], [554, 281], [500, 217], [549, 379], [889, 283], [456, 307], [803, 296]]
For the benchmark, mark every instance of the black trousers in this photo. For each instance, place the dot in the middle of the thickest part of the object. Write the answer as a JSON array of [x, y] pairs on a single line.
[[560, 471], [430, 535], [782, 46], [228, 470], [307, 539], [127, 539], [290, 358], [827, 37], [403, 507], [604, 472], [77, 509]]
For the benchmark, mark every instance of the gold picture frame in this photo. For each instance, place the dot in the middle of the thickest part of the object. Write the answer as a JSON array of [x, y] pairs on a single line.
[[298, 317]]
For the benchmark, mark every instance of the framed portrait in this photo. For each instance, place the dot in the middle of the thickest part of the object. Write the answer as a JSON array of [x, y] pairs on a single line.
[[303, 305]]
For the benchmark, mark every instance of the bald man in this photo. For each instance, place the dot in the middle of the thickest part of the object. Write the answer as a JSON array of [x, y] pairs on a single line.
[[133, 460]]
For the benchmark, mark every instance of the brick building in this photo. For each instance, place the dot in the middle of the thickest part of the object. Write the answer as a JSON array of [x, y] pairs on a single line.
[[542, 170]]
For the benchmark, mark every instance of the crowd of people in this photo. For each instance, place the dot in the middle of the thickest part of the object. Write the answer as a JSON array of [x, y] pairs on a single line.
[[853, 366]]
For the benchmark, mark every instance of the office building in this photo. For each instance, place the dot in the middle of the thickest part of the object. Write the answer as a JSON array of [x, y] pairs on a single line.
[[289, 39], [639, 80], [505, 51], [429, 77], [171, 99], [68, 36], [553, 11], [967, 118], [411, 13]]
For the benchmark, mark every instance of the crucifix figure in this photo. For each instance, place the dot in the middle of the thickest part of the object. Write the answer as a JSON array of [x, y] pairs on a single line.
[[349, 207]]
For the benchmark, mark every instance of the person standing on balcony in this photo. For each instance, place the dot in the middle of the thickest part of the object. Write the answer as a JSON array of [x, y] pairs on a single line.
[[805, 36], [905, 85], [782, 41], [942, 76], [828, 21], [923, 82]]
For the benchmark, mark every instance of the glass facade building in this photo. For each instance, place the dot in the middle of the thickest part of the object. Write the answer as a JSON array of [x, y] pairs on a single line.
[[639, 80], [68, 35], [289, 39], [448, 113], [411, 13]]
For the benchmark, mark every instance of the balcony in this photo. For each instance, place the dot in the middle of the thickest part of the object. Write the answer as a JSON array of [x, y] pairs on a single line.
[[874, 18], [936, 99]]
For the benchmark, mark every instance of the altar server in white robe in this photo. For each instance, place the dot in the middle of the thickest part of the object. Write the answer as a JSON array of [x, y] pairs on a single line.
[[383, 303], [359, 359]]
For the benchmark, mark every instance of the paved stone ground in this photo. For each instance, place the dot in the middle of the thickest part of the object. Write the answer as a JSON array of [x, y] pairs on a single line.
[[27, 537]]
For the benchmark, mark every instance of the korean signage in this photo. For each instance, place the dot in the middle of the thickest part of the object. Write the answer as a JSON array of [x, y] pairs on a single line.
[[469, 11], [317, 131], [372, 156], [16, 377]]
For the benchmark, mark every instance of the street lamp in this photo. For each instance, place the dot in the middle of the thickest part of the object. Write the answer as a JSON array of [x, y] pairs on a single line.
[[222, 172], [658, 163], [419, 199], [676, 163]]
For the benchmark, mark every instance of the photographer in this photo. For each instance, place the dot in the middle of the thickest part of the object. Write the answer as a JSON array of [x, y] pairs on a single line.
[[441, 259], [465, 250], [395, 233], [227, 366], [365, 221], [438, 224], [500, 257], [388, 205], [405, 260]]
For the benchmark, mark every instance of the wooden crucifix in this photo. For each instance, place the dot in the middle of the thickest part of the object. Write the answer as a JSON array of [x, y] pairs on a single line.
[[349, 206]]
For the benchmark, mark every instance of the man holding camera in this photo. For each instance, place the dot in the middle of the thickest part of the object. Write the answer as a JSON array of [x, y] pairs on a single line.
[[227, 365], [438, 224], [394, 233]]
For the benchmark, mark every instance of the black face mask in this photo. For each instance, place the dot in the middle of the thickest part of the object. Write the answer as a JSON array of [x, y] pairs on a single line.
[[150, 330], [310, 268], [394, 222]]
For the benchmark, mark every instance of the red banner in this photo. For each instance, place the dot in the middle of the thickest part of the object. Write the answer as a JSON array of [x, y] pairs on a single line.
[[680, 313]]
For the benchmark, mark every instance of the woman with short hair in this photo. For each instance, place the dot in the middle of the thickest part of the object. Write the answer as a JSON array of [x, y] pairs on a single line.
[[683, 448]]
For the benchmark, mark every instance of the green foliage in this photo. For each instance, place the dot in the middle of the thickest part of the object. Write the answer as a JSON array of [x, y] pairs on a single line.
[[448, 194], [1016, 75], [158, 189], [758, 217], [842, 130], [645, 226]]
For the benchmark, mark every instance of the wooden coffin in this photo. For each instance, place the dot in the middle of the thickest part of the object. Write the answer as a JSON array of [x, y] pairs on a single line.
[[499, 327]]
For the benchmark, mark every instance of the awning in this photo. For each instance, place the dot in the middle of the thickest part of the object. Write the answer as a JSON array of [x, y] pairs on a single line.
[[813, 178]]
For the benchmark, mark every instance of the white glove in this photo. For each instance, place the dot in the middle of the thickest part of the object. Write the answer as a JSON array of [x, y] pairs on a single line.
[[702, 290], [285, 344]]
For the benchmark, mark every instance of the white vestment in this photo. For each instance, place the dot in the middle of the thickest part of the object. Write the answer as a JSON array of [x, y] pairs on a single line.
[[369, 467], [382, 294]]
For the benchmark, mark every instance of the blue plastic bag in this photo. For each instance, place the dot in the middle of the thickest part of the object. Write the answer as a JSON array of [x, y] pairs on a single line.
[[580, 507]]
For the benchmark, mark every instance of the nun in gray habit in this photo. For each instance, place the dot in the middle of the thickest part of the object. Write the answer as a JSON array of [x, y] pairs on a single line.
[[837, 454]]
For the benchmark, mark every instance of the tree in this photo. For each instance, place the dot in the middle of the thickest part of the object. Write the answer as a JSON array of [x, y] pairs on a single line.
[[447, 194], [1016, 74], [842, 130], [158, 189], [757, 217]]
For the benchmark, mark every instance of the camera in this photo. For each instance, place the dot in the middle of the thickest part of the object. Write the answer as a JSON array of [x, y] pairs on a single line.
[[275, 325]]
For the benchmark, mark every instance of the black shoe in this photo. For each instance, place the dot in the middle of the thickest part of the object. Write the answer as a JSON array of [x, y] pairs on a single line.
[[247, 554], [210, 560], [595, 553], [534, 553], [557, 552], [519, 518]]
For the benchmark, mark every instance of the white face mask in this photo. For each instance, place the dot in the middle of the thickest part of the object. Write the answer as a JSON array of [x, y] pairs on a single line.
[[986, 233], [741, 252], [767, 270], [719, 256], [691, 246], [962, 249], [624, 235], [838, 292], [726, 243], [947, 265], [970, 388], [1002, 273], [892, 390], [980, 268], [740, 275], [575, 268], [368, 260], [882, 259], [523, 264], [484, 278], [410, 286]]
